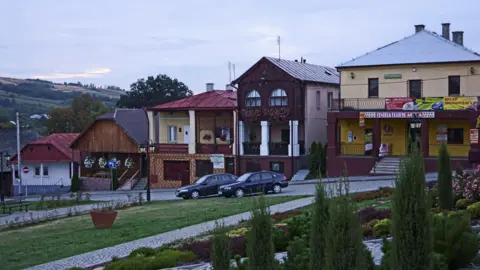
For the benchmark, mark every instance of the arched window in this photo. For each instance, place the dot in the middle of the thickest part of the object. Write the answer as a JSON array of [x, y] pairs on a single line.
[[278, 98], [253, 99]]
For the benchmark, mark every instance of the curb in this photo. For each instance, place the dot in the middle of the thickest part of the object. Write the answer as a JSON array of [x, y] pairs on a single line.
[[309, 182]]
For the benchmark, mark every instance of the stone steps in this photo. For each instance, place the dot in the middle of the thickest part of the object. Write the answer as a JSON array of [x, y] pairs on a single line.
[[300, 175], [387, 166], [141, 184]]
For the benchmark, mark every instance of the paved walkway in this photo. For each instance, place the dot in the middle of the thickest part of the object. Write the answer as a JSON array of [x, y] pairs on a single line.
[[103, 256], [368, 178]]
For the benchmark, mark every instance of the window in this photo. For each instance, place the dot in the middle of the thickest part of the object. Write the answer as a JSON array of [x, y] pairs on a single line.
[[172, 133], [37, 171], [455, 135], [285, 135], [454, 85], [415, 88], [276, 167], [318, 100], [255, 177], [253, 99], [330, 100], [267, 176], [204, 167], [278, 98], [45, 171], [230, 165], [373, 88], [212, 180]]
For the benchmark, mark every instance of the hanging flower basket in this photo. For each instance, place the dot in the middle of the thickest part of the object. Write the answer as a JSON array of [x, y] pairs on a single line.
[[102, 162], [114, 163], [88, 162], [252, 114], [277, 114], [129, 163]]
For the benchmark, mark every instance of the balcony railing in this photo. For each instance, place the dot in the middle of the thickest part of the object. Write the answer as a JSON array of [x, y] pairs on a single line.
[[356, 104], [380, 104], [278, 148], [251, 148]]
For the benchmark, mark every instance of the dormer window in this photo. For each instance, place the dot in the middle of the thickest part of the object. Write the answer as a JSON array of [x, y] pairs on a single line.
[[278, 98], [253, 99]]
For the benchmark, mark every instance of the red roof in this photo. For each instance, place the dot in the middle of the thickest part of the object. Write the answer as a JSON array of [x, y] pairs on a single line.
[[210, 100], [61, 141]]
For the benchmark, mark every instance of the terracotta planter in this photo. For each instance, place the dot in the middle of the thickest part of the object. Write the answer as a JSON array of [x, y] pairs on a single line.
[[103, 220]]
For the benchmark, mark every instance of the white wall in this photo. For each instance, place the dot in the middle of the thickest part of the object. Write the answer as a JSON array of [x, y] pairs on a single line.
[[58, 174], [316, 117]]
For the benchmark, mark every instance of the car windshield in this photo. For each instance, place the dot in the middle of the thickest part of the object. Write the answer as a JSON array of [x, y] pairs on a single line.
[[244, 177], [202, 179]]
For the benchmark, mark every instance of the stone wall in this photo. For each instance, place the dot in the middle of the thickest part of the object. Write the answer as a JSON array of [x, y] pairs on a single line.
[[91, 184]]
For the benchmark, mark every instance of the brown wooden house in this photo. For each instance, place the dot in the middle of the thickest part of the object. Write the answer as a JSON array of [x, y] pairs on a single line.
[[116, 134]]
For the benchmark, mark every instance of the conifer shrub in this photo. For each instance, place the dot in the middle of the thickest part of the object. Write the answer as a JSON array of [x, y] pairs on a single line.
[[318, 228], [298, 255], [76, 183], [221, 250], [445, 190]]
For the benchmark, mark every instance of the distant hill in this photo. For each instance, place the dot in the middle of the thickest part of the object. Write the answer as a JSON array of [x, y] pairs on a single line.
[[35, 96]]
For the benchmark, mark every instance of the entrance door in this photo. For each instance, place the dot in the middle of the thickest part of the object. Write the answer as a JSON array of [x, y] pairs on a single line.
[[415, 138], [186, 136]]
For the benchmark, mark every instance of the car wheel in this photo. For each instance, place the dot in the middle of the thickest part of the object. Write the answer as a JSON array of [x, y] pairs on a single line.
[[277, 189], [239, 193], [195, 194]]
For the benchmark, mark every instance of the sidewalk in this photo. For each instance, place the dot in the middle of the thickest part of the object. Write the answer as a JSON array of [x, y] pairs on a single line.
[[368, 178], [103, 256]]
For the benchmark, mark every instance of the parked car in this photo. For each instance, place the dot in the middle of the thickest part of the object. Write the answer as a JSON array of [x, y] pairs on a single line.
[[255, 182], [206, 185]]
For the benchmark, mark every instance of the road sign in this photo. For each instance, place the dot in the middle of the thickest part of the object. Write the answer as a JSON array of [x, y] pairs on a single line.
[[25, 170]]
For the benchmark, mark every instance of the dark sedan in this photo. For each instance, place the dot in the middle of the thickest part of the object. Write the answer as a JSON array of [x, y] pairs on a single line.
[[255, 182], [206, 185]]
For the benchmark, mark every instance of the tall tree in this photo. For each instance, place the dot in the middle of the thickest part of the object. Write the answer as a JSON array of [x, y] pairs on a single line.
[[153, 91], [77, 117]]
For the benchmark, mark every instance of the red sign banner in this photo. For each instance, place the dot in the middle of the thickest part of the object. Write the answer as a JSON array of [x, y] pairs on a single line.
[[399, 104]]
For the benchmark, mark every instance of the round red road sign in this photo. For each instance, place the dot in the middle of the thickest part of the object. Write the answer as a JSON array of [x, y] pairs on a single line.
[[25, 169]]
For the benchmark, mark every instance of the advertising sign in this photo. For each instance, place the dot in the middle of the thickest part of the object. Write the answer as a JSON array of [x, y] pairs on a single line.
[[399, 104], [399, 114], [218, 161], [474, 136], [429, 104], [460, 103], [362, 119], [442, 133]]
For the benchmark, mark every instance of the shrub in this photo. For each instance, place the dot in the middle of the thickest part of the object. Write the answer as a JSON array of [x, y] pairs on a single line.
[[467, 185], [237, 232], [260, 237], [411, 224], [280, 240], [163, 259], [322, 159], [373, 194], [382, 228], [76, 183], [368, 227], [319, 225], [298, 255], [463, 203], [115, 183], [474, 210], [445, 193], [143, 251], [220, 249], [312, 159], [239, 264], [454, 239], [285, 215], [203, 249], [368, 214], [299, 225], [431, 184]]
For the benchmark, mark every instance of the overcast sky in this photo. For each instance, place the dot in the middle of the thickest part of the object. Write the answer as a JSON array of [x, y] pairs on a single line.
[[115, 42]]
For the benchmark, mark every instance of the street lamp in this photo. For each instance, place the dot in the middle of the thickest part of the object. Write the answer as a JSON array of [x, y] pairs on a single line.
[[415, 123], [3, 155], [148, 147]]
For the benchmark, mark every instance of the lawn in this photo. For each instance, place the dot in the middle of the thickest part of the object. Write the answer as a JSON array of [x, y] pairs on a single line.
[[63, 238], [380, 203]]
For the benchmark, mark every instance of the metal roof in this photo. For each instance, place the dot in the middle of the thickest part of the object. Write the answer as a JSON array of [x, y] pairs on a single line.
[[307, 72], [215, 99], [422, 47], [61, 141]]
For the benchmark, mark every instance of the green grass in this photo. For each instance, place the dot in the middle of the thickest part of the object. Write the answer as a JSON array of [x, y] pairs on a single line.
[[380, 203], [53, 204], [63, 238]]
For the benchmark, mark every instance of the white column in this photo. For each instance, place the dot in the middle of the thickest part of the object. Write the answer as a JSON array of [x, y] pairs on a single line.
[[265, 138], [235, 137], [191, 134], [41, 173], [241, 136], [293, 139], [13, 174], [71, 170], [79, 166], [151, 127]]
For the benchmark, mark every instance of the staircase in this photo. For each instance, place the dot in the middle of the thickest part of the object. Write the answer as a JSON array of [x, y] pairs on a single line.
[[141, 184], [387, 165], [300, 175]]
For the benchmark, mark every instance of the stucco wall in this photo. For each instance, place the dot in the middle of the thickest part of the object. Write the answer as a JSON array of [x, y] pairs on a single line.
[[178, 119], [435, 80], [58, 174]]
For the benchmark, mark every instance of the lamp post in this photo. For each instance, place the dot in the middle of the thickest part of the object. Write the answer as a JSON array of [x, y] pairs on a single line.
[[3, 155], [148, 147], [415, 125]]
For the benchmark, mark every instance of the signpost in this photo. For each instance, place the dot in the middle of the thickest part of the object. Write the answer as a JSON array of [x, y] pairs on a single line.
[[25, 170]]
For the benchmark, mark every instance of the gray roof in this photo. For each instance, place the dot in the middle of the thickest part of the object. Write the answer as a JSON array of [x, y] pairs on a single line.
[[307, 72], [421, 47], [133, 121], [8, 140]]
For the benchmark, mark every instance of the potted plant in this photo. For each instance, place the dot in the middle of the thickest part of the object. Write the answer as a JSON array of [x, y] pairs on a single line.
[[88, 162], [104, 216]]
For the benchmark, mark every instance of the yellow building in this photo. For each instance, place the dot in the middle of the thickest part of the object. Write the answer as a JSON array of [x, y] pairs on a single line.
[[424, 86]]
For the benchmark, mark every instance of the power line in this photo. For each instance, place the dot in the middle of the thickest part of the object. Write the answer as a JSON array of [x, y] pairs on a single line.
[[406, 81]]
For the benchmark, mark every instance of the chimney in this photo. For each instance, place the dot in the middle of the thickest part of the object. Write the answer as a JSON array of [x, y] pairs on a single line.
[[209, 87], [457, 37], [228, 87], [419, 27], [446, 30]]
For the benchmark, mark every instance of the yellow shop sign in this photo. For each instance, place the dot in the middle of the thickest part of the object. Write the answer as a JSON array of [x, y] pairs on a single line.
[[460, 103]]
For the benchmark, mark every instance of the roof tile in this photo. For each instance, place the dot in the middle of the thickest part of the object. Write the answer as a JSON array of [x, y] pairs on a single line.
[[216, 99], [307, 72]]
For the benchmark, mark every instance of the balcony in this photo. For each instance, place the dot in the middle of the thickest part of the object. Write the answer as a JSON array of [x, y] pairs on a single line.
[[251, 148], [357, 104], [278, 148], [225, 149], [172, 148]]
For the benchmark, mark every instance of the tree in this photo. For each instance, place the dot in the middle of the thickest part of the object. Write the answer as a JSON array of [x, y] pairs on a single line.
[[445, 192], [76, 183], [77, 117], [411, 224], [154, 91], [319, 229]]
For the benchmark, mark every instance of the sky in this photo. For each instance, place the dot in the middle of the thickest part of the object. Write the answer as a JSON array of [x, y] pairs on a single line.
[[116, 42]]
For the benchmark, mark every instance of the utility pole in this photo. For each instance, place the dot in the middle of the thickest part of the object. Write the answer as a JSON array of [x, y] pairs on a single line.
[[278, 41], [19, 167]]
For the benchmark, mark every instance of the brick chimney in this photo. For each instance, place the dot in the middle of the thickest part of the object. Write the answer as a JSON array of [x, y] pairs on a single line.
[[446, 30], [419, 27], [457, 37], [209, 87]]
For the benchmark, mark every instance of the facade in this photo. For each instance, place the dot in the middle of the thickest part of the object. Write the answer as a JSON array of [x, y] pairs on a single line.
[[47, 165], [425, 76], [117, 134], [283, 108], [193, 137]]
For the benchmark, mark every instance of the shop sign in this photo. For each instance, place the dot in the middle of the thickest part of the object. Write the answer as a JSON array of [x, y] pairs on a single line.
[[399, 104], [460, 103], [474, 136], [399, 114], [392, 76], [361, 120], [429, 104], [218, 161]]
